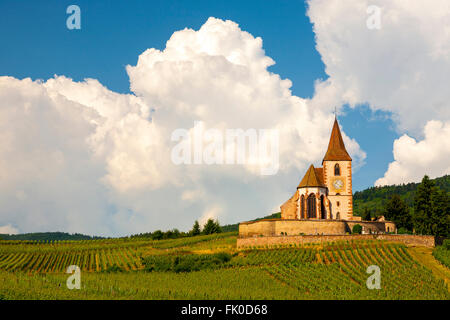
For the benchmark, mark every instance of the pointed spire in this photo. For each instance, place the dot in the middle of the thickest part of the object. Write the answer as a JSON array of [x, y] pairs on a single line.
[[336, 148], [311, 179]]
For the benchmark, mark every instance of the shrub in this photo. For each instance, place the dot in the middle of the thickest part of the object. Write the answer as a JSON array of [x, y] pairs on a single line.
[[157, 263], [403, 230], [442, 253], [157, 235], [357, 229], [446, 244], [185, 263]]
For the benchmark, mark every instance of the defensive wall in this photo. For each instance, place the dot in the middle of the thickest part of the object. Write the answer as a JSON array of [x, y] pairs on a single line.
[[295, 227], [272, 241]]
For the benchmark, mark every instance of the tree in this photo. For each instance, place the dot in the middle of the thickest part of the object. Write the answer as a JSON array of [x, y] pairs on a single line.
[[431, 209], [195, 229], [357, 229], [218, 229], [366, 215], [157, 235], [440, 213], [211, 227], [397, 211], [175, 233], [423, 206]]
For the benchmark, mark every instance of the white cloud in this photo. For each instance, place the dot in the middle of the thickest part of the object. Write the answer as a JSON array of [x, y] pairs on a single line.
[[78, 157], [8, 229], [210, 213], [414, 158], [402, 68], [46, 167]]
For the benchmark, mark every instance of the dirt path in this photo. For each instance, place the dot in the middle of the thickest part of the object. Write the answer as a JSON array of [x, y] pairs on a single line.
[[425, 257]]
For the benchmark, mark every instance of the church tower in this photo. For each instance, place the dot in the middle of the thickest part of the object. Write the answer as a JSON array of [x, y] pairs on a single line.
[[337, 174]]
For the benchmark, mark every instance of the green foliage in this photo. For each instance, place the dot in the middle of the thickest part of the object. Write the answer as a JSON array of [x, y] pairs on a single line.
[[357, 229], [366, 215], [327, 271], [375, 198], [446, 244], [161, 263], [403, 230], [195, 229], [157, 235], [47, 236], [185, 263], [397, 211], [431, 210], [442, 253], [211, 227]]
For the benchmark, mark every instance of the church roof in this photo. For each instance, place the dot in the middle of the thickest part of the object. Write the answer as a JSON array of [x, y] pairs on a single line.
[[319, 174], [336, 148], [312, 178]]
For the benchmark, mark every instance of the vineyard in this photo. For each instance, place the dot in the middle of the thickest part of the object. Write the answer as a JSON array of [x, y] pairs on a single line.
[[35, 270], [90, 255]]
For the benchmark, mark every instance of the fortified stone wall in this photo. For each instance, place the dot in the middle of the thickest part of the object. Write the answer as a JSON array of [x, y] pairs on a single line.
[[410, 240], [274, 227]]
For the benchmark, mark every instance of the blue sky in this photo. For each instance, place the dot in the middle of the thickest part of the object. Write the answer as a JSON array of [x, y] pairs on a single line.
[[95, 156], [37, 44]]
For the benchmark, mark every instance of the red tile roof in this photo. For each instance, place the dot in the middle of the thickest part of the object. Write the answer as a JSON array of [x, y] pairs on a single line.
[[336, 148], [312, 178]]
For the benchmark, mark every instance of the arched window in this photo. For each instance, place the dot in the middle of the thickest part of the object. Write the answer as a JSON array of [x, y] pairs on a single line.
[[311, 202], [337, 170], [323, 212], [302, 207]]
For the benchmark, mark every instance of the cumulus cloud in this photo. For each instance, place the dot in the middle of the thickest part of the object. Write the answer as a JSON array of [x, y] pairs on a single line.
[[401, 68], [8, 229], [413, 158], [78, 157]]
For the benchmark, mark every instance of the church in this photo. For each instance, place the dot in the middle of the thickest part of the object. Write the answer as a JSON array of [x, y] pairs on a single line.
[[323, 201], [325, 192]]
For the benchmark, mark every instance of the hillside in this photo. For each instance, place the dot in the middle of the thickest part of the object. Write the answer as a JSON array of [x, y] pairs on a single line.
[[47, 236], [120, 269], [375, 198], [235, 227]]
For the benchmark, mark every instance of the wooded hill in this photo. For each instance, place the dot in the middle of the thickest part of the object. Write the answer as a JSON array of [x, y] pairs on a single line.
[[47, 236], [375, 198]]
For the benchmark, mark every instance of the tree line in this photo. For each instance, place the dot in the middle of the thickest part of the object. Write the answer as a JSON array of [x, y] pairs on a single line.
[[48, 236], [374, 199], [428, 214], [211, 226]]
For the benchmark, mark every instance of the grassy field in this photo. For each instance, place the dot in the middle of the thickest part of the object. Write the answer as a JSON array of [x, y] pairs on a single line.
[[33, 270]]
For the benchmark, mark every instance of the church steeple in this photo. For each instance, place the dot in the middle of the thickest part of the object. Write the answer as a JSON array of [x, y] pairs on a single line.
[[336, 148]]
